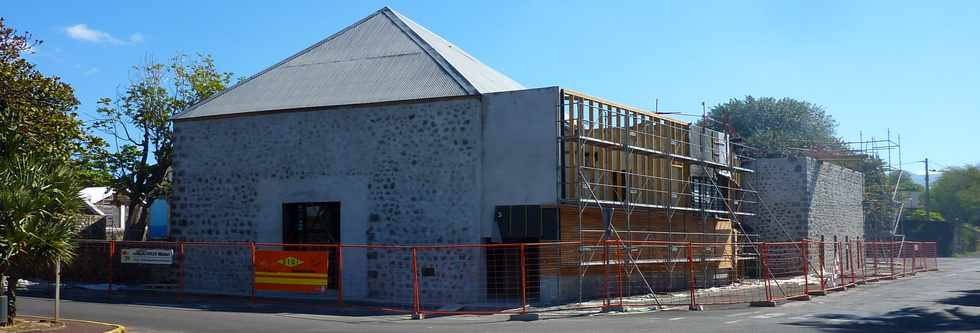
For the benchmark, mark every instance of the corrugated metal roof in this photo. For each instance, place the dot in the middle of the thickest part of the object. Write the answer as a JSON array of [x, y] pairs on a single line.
[[92, 195], [484, 78], [383, 57]]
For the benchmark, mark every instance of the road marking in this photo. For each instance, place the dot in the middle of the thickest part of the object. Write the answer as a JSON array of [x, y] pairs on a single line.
[[733, 321], [769, 315], [742, 314], [839, 321], [678, 318]]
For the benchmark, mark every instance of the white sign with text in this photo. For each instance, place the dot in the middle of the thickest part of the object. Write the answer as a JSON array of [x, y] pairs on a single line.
[[147, 256]]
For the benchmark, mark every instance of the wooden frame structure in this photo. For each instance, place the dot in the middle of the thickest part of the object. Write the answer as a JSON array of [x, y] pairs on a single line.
[[631, 175]]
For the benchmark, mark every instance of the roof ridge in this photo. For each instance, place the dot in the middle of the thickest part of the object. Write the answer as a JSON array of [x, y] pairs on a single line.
[[431, 67], [481, 76], [280, 63], [443, 63]]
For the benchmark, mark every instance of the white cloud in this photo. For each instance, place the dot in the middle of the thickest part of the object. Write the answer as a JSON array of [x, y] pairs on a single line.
[[136, 38], [83, 33], [91, 71]]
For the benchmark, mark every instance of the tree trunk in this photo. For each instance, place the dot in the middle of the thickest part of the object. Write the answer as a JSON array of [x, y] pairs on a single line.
[[12, 298], [136, 230]]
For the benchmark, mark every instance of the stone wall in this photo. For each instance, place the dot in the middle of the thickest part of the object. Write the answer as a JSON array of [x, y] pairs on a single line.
[[91, 227], [836, 201], [405, 173], [804, 198], [413, 172]]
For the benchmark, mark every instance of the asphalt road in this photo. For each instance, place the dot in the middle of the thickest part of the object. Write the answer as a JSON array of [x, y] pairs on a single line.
[[944, 301]]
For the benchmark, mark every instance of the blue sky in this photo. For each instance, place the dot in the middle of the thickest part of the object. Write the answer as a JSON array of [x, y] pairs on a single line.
[[913, 67]]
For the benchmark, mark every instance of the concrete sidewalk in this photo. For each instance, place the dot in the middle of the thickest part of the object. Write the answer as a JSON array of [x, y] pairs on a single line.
[[46, 324]]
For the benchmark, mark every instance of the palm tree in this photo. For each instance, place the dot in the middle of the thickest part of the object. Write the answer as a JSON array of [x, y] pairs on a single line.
[[39, 204]]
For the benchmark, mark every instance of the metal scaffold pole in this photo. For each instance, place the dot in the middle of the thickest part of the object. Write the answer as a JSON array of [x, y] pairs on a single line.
[[617, 156]]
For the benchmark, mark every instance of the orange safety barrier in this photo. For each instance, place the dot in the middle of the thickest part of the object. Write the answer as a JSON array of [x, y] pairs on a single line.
[[499, 278], [291, 271]]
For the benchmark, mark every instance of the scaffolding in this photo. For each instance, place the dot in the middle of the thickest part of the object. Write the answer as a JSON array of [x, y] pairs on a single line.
[[884, 149], [852, 153], [629, 175]]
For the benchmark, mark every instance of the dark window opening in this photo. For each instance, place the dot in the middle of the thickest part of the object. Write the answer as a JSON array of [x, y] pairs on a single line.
[[504, 271], [313, 223], [706, 194], [527, 222], [519, 224]]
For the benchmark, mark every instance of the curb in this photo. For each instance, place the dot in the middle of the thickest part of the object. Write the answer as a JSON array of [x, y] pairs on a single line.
[[118, 328]]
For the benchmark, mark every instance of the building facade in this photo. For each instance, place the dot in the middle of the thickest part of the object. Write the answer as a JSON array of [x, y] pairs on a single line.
[[805, 198], [104, 213], [385, 133]]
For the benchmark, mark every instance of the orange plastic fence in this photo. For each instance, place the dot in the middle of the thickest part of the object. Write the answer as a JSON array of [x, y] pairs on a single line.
[[501, 278]]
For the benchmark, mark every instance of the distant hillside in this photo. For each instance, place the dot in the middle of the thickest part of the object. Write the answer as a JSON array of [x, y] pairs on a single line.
[[921, 179]]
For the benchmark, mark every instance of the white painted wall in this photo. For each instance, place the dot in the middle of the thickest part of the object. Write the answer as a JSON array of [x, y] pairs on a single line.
[[520, 151]]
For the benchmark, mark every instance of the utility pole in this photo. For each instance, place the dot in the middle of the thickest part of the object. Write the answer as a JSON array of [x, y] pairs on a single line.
[[927, 189], [57, 290]]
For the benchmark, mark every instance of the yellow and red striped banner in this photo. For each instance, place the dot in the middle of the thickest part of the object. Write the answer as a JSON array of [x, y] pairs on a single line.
[[291, 271]]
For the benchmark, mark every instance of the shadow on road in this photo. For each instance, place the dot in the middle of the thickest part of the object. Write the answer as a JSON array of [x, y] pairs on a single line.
[[912, 319], [968, 298]]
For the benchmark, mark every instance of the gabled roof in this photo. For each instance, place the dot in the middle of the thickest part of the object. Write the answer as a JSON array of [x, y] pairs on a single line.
[[92, 195], [383, 57]]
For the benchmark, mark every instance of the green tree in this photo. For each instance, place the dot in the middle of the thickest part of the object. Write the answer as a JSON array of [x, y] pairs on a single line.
[[37, 112], [880, 206], [771, 127], [140, 119], [957, 194], [919, 214], [905, 182], [39, 205], [775, 127], [42, 143], [901, 186]]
